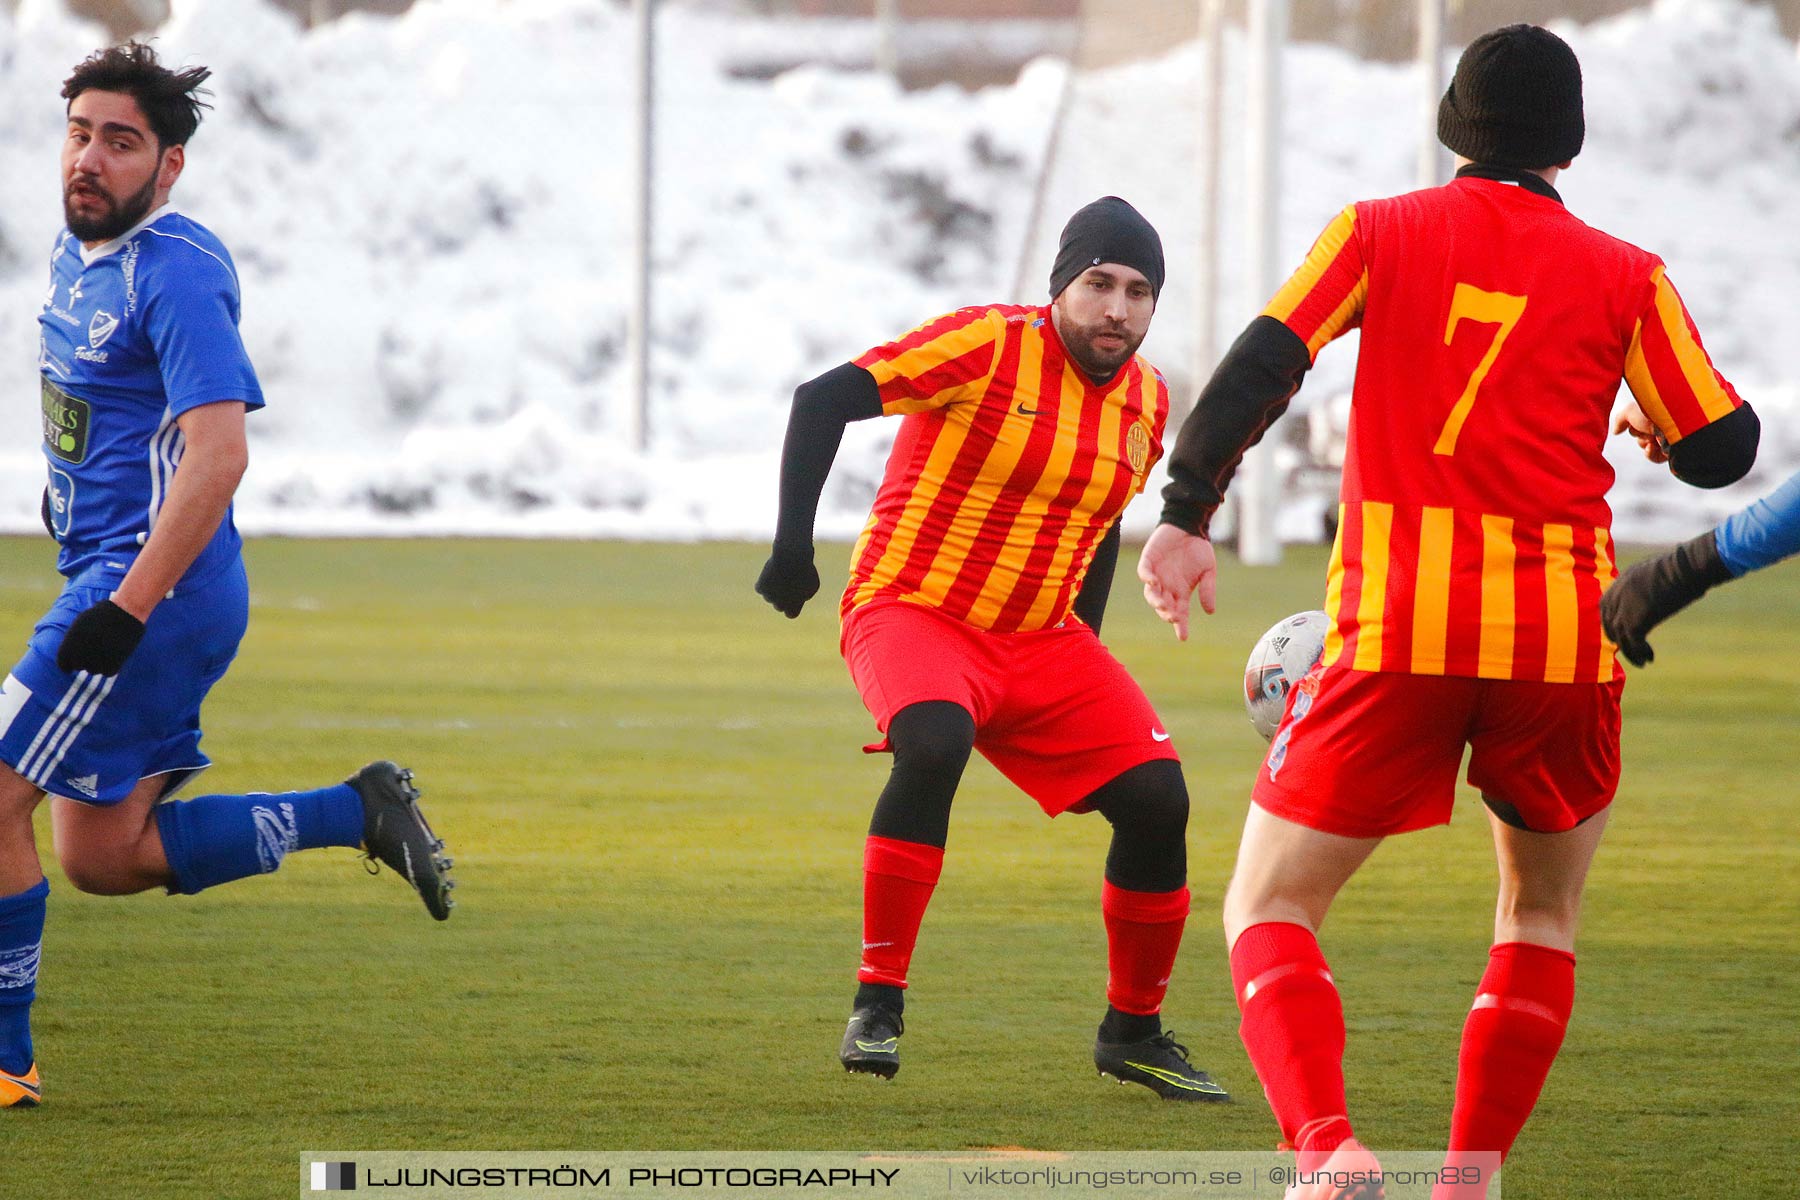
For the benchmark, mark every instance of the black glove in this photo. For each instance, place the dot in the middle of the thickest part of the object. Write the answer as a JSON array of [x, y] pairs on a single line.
[[100, 640], [788, 580], [1652, 591], [44, 512]]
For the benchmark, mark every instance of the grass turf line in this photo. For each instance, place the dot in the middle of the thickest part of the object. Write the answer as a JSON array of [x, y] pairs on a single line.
[[652, 787]]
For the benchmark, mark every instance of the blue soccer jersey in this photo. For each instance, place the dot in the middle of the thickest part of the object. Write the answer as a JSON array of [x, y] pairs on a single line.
[[134, 333]]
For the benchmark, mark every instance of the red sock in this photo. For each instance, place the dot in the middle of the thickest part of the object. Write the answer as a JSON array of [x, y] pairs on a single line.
[[1511, 1038], [1293, 1028], [898, 878], [1143, 932]]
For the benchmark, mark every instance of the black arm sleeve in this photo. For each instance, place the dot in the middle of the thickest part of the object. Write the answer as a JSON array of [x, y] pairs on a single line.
[[822, 407], [1248, 391], [1096, 585], [1718, 454]]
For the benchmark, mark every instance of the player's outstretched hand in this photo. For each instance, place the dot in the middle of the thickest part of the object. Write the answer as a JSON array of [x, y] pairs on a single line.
[[788, 580], [1173, 564], [1652, 591], [99, 640], [1633, 420]]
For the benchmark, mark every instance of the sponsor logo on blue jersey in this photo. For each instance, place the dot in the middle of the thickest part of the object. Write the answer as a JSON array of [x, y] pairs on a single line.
[[134, 333]]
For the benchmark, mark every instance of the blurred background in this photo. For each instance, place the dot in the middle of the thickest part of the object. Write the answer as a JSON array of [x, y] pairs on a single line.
[[431, 205]]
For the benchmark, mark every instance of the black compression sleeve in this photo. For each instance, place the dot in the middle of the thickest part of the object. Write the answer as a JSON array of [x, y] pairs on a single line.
[[822, 407], [1247, 392], [1096, 586], [1718, 454]]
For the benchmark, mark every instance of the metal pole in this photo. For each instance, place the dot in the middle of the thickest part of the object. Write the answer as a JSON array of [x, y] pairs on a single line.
[[887, 37], [1431, 71], [1027, 262], [1206, 267], [637, 330], [1257, 543]]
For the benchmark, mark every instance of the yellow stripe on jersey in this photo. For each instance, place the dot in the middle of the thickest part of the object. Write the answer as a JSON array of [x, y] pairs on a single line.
[[1604, 572], [1643, 384], [1694, 365], [1323, 253], [912, 519], [1562, 604], [1495, 656], [1334, 592], [1097, 487], [1301, 285], [955, 555], [1340, 318], [1009, 567], [946, 347], [1371, 606], [1431, 591]]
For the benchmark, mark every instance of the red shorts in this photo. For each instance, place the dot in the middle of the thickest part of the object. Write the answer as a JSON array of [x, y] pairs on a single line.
[[1365, 754], [1054, 711]]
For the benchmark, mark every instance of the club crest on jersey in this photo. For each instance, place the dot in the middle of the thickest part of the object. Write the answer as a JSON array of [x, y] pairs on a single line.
[[101, 328], [1137, 448]]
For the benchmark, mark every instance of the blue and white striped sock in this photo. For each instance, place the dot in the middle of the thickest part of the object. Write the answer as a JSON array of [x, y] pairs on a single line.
[[21, 939], [214, 839]]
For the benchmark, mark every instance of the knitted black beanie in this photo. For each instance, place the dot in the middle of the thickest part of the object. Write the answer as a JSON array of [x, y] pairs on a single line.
[[1107, 231], [1515, 100]]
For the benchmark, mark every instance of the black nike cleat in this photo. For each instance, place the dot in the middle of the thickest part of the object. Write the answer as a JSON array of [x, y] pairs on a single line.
[[395, 833], [1161, 1064], [872, 1041]]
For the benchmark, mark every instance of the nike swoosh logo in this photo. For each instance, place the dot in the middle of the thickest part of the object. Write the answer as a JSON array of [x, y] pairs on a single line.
[[891, 1046], [1027, 412], [1157, 735]]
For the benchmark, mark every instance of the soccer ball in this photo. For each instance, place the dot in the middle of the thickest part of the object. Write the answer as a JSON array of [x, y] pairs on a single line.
[[1282, 658]]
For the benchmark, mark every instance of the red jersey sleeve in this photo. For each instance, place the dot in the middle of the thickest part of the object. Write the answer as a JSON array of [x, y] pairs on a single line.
[[1325, 297], [945, 360], [1668, 370]]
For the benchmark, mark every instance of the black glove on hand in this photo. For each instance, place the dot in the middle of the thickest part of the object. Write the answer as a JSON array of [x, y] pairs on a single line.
[[788, 580], [1652, 591], [100, 640], [44, 512]]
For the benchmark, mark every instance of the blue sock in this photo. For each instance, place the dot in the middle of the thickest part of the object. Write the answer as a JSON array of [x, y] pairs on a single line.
[[214, 839], [21, 937]]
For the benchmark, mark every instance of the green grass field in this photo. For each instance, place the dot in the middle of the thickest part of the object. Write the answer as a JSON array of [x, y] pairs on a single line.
[[653, 790]]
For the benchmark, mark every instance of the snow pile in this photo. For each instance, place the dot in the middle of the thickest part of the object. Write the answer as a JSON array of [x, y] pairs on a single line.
[[429, 215]]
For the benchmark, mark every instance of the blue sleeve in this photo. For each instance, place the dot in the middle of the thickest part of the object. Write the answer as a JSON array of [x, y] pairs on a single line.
[[191, 315], [1766, 532]]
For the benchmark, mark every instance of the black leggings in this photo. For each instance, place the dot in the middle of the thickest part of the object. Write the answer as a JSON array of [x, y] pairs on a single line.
[[1146, 805]]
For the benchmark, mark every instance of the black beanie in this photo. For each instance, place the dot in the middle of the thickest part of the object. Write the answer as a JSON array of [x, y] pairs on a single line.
[[1515, 100], [1107, 231]]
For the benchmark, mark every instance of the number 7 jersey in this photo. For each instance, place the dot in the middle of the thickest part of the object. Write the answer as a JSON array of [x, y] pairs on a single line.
[[1474, 536]]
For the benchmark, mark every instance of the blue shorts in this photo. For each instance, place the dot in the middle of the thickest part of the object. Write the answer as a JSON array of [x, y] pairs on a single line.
[[93, 737]]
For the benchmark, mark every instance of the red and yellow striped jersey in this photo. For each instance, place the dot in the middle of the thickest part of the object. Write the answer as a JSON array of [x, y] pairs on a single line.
[[1475, 537], [1009, 468]]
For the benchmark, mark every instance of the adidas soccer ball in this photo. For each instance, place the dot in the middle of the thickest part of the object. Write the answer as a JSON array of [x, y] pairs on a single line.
[[1282, 658]]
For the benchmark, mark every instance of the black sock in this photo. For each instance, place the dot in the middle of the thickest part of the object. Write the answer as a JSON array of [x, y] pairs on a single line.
[[1121, 1027], [883, 994]]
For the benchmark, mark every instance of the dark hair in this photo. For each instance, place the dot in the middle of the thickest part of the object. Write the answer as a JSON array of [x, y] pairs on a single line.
[[170, 99]]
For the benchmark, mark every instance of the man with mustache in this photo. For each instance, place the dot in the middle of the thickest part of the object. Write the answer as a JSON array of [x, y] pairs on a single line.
[[975, 597], [145, 385]]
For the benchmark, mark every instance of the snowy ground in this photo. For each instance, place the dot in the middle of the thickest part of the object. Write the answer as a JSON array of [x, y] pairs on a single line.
[[429, 217]]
